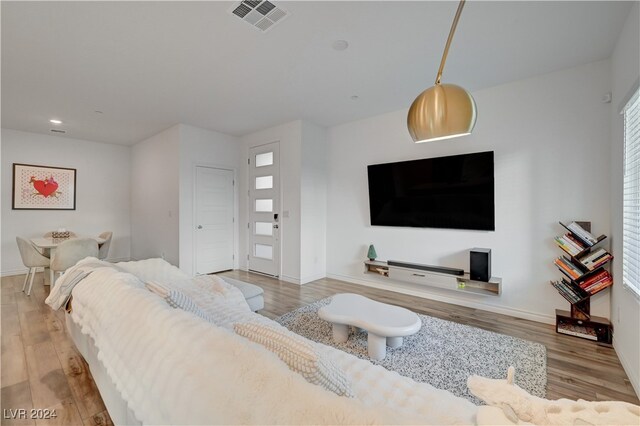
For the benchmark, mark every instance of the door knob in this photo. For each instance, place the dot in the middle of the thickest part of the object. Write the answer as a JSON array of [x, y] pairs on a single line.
[[199, 226]]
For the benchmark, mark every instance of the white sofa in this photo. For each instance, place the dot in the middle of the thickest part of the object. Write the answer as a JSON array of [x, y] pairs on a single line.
[[253, 294], [154, 364]]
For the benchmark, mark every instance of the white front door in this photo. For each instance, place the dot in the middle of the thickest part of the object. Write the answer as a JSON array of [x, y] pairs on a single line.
[[264, 209], [214, 221]]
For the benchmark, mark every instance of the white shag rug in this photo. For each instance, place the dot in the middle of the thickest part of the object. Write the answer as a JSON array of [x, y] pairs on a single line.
[[443, 353]]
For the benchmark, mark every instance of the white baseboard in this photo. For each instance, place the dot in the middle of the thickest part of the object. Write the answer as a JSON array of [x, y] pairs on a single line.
[[533, 316], [311, 278], [289, 279], [629, 369]]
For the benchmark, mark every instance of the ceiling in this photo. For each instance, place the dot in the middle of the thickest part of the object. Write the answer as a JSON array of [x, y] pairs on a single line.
[[150, 65]]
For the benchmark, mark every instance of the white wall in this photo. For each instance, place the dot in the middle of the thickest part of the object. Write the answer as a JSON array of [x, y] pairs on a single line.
[[200, 147], [625, 307], [155, 196], [551, 137], [102, 192], [289, 135], [313, 203]]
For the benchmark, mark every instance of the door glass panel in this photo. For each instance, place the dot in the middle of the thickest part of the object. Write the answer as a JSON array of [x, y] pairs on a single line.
[[263, 228], [264, 182], [265, 205], [264, 251], [264, 159]]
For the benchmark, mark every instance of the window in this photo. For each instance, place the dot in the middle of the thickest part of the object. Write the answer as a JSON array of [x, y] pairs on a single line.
[[631, 196]]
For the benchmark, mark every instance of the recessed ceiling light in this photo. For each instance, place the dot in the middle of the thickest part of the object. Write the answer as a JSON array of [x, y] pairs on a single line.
[[55, 121], [355, 97], [340, 45]]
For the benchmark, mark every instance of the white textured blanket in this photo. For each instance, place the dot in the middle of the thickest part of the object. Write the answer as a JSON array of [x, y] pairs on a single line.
[[61, 291], [174, 368]]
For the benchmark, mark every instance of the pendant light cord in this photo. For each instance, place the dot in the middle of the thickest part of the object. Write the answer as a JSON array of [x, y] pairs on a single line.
[[446, 47]]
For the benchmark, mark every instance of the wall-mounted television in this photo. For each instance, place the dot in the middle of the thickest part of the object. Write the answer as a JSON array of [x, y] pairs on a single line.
[[455, 192]]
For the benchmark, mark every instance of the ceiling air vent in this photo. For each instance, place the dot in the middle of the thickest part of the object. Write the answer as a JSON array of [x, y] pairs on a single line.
[[262, 15]]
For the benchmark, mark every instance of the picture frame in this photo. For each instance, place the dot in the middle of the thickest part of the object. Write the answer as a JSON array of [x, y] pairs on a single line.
[[43, 187]]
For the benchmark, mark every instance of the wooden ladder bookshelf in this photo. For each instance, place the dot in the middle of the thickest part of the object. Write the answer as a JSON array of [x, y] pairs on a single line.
[[584, 275]]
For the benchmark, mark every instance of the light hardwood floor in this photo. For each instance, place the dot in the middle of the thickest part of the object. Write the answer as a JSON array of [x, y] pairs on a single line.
[[42, 369]]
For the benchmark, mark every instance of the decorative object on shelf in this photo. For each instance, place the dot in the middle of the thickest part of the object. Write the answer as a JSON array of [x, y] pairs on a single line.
[[584, 276], [383, 272], [43, 188], [60, 234], [443, 111], [371, 254], [480, 264], [431, 268]]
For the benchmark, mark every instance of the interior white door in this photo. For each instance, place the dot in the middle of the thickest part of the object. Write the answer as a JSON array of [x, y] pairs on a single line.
[[264, 209], [214, 220]]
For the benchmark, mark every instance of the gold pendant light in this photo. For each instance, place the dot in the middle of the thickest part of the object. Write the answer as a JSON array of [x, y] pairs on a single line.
[[443, 111]]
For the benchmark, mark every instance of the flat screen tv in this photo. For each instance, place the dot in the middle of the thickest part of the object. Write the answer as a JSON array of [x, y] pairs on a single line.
[[455, 192]]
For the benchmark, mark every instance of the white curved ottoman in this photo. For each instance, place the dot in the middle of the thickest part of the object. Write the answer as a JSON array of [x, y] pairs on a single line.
[[386, 325]]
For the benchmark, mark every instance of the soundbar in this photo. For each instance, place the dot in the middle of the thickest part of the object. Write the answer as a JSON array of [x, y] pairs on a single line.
[[441, 269]]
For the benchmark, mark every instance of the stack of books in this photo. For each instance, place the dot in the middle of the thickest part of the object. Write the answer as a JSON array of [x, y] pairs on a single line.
[[570, 244], [567, 267], [567, 291], [582, 233], [596, 282], [585, 332], [596, 259]]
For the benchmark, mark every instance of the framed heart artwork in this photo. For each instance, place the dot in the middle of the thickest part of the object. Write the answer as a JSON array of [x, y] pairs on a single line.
[[43, 187]]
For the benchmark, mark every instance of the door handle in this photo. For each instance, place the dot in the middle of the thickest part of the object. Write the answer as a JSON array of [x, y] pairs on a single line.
[[199, 226]]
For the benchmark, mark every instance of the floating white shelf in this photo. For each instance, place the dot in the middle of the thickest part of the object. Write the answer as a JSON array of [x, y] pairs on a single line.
[[461, 283]]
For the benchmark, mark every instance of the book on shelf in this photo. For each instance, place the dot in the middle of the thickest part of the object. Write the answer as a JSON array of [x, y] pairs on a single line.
[[594, 278], [567, 291], [568, 245], [594, 256], [568, 267], [596, 282], [582, 233], [577, 330], [561, 290], [575, 241], [594, 260], [599, 286]]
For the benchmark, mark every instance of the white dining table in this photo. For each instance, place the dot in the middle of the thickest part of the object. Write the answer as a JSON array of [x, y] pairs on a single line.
[[48, 246]]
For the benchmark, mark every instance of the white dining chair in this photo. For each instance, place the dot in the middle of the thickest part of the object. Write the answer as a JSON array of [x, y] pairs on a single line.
[[70, 252], [103, 249], [32, 259]]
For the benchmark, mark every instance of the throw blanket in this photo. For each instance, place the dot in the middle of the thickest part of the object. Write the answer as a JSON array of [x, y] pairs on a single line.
[[61, 290], [175, 368], [211, 293], [217, 298]]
